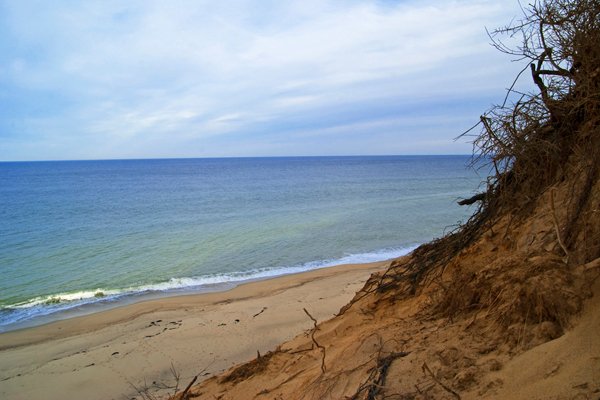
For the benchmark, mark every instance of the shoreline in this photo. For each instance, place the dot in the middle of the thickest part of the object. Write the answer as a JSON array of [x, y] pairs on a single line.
[[137, 343], [152, 302], [94, 304]]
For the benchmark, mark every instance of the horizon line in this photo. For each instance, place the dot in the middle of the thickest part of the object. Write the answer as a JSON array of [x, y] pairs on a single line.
[[238, 157]]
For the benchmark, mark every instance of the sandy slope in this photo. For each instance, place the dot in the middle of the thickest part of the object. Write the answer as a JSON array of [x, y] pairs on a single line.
[[429, 357], [510, 317], [564, 368]]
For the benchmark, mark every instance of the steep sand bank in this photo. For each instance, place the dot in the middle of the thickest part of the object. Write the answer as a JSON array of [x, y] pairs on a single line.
[[106, 355], [398, 350], [508, 316]]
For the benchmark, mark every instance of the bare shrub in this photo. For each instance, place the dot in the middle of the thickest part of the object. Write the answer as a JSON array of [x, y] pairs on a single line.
[[534, 140]]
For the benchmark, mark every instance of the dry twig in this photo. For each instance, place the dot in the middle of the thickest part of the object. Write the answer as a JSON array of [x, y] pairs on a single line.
[[188, 387], [425, 368], [375, 382], [312, 336]]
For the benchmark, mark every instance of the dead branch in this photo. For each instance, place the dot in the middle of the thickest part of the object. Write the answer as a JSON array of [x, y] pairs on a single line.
[[471, 200], [312, 336], [176, 376], [184, 394], [260, 312], [143, 391], [375, 382], [383, 365], [425, 368]]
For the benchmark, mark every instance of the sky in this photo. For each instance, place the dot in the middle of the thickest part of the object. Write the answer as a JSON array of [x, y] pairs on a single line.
[[242, 78]]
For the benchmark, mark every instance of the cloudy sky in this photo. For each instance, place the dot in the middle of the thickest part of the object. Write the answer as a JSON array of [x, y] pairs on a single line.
[[151, 79]]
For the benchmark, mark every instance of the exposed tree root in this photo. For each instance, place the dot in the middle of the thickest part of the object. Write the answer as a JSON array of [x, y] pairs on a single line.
[[312, 336]]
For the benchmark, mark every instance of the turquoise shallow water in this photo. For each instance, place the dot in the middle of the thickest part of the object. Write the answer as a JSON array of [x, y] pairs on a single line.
[[76, 233]]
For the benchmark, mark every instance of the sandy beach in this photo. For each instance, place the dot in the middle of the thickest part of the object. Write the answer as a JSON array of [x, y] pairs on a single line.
[[112, 354]]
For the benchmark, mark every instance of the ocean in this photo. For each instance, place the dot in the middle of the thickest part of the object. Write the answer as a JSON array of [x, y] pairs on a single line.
[[81, 236]]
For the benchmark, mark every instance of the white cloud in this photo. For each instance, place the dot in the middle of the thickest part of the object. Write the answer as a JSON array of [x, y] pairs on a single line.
[[154, 71]]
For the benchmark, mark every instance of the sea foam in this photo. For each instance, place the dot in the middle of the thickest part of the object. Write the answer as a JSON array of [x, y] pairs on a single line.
[[55, 303]]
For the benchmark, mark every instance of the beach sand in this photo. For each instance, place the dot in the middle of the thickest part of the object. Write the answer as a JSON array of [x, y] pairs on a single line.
[[115, 353]]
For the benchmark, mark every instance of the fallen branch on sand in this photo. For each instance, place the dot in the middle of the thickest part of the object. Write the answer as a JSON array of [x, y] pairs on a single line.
[[187, 389], [260, 312]]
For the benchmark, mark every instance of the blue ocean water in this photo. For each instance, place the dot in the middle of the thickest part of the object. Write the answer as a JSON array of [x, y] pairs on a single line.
[[79, 235]]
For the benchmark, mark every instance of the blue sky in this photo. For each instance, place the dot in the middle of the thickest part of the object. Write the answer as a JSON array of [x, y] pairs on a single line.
[[153, 79]]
